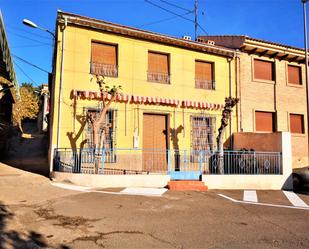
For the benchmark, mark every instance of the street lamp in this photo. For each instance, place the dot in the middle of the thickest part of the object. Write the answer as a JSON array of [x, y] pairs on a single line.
[[35, 26], [306, 65]]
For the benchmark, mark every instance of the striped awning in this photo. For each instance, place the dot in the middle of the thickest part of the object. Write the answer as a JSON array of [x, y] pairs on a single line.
[[138, 99]]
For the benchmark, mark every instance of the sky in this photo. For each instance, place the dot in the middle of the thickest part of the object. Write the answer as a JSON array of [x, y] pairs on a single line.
[[273, 20]]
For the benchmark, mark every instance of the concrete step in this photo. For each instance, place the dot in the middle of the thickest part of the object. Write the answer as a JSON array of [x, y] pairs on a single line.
[[183, 185]]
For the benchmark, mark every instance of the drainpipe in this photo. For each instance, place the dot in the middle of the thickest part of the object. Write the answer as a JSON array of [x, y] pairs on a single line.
[[61, 81], [238, 92], [230, 95]]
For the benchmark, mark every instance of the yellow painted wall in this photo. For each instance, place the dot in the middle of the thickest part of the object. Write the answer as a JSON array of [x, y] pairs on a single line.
[[132, 75]]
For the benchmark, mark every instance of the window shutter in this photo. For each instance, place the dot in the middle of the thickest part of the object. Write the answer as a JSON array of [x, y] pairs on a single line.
[[103, 53], [158, 63], [264, 121], [203, 70], [296, 123], [294, 75], [263, 70]]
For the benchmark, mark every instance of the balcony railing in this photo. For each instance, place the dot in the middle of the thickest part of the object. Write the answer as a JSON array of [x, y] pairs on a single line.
[[158, 77], [205, 84], [104, 69]]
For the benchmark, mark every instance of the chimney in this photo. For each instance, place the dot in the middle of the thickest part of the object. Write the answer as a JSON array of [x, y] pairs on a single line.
[[186, 37]]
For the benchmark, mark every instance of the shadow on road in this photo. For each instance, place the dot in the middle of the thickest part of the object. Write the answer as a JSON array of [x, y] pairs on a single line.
[[15, 239]]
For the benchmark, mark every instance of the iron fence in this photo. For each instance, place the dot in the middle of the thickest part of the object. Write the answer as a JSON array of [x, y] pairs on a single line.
[[156, 161]]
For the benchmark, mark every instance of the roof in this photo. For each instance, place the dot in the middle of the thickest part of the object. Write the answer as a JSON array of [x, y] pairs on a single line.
[[258, 46], [6, 62], [109, 27]]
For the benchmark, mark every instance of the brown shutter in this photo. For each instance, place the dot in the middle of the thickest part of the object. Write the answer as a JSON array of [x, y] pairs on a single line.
[[264, 121], [296, 123], [294, 75], [263, 70], [158, 63], [103, 53], [203, 70]]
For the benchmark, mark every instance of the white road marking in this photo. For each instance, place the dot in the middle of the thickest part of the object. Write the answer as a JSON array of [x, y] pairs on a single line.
[[71, 187], [295, 199], [250, 195], [263, 204], [157, 192], [144, 191]]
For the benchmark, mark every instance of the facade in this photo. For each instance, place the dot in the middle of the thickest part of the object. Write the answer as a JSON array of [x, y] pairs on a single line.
[[8, 87], [272, 90], [173, 89]]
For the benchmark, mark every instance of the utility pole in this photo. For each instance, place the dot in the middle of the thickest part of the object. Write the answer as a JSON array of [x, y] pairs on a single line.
[[195, 18], [306, 66]]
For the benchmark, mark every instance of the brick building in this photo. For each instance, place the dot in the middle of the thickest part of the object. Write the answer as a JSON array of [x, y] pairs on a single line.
[[272, 90]]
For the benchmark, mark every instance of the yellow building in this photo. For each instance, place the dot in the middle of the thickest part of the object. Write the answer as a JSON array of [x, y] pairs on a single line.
[[173, 88]]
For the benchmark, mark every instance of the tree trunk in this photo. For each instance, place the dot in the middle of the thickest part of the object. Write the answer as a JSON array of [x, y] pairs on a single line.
[[220, 155]]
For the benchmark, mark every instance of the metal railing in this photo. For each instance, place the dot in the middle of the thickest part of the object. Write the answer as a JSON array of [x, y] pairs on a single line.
[[205, 84], [104, 69], [156, 161], [158, 77]]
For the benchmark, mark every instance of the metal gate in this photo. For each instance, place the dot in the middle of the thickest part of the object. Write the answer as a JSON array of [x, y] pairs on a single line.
[[184, 165]]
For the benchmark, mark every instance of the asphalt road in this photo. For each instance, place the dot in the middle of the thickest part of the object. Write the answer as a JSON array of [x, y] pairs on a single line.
[[35, 214]]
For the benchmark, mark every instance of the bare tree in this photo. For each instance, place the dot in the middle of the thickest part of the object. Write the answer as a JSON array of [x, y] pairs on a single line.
[[230, 102], [97, 120]]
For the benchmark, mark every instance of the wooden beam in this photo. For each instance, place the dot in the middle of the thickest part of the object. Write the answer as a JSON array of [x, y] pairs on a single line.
[[263, 53], [293, 59], [273, 55], [302, 61], [283, 57], [252, 51]]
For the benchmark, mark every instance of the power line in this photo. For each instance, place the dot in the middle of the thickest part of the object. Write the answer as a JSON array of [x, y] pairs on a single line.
[[167, 10], [30, 39], [28, 32], [29, 63], [176, 14], [25, 73], [174, 5], [163, 20], [29, 46]]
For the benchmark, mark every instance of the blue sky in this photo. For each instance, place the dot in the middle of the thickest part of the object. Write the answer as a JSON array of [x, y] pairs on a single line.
[[274, 20]]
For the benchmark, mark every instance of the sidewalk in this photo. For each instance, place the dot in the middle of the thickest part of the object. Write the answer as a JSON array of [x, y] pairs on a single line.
[[18, 186]]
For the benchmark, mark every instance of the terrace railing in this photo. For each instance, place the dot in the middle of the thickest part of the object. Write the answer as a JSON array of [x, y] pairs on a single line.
[[156, 161]]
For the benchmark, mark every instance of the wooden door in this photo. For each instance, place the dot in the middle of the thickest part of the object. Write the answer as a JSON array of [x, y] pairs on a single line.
[[154, 142]]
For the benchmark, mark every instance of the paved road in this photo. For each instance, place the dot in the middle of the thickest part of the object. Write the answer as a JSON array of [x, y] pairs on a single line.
[[35, 214]]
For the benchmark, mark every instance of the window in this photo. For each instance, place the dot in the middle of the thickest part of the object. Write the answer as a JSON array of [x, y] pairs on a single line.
[[264, 121], [297, 123], [294, 75], [202, 134], [204, 75], [263, 70], [104, 59], [158, 68], [110, 134]]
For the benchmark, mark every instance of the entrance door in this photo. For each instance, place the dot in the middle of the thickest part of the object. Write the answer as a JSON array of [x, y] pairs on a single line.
[[155, 133]]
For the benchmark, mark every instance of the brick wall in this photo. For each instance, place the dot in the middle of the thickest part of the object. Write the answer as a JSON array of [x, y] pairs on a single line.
[[276, 96]]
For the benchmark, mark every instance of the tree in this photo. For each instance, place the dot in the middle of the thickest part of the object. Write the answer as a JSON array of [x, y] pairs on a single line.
[[27, 106], [98, 123], [230, 102]]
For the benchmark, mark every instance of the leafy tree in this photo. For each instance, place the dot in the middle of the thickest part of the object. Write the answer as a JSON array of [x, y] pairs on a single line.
[[27, 106], [230, 102]]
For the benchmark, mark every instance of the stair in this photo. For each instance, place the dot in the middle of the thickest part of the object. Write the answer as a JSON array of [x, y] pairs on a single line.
[[184, 185]]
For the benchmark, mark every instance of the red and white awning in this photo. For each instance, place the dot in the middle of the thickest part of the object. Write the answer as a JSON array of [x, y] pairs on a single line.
[[93, 95], [138, 99]]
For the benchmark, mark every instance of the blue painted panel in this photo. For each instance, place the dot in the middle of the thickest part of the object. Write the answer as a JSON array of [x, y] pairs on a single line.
[[185, 175]]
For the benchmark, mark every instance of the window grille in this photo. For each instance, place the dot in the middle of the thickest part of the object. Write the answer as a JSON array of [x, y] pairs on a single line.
[[110, 136], [202, 135]]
